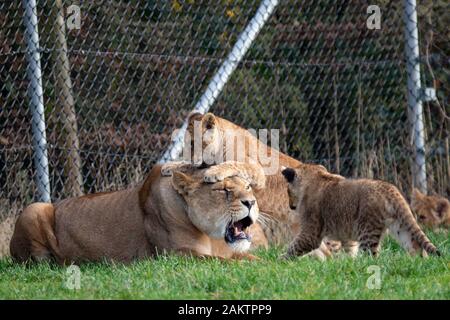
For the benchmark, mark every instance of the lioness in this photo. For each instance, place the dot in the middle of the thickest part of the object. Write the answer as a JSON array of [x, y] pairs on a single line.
[[356, 212], [181, 214]]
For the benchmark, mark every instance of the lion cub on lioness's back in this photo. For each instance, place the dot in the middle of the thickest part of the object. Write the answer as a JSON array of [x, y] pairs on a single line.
[[356, 212]]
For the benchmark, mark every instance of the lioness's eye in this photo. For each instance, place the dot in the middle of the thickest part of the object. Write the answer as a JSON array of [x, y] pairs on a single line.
[[223, 191], [248, 187], [227, 192]]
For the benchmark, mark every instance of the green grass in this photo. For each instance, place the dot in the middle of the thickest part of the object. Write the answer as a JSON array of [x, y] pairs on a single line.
[[172, 277]]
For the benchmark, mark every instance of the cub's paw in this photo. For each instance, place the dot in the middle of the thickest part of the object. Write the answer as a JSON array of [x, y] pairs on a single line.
[[286, 257], [167, 169], [213, 175], [332, 245], [317, 254]]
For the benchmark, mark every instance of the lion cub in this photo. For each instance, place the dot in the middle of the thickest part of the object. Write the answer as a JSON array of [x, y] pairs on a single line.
[[431, 211], [356, 212]]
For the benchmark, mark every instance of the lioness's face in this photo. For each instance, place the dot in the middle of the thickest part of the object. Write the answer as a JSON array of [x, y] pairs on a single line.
[[222, 210], [204, 140]]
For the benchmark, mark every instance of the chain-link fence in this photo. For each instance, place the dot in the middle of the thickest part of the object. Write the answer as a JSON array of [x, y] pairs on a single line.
[[115, 83]]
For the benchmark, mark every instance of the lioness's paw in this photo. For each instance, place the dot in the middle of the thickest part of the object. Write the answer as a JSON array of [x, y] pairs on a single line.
[[245, 256], [252, 257]]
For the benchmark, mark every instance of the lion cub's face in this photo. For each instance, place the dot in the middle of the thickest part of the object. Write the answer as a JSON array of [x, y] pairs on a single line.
[[222, 210], [298, 178], [431, 211], [203, 139]]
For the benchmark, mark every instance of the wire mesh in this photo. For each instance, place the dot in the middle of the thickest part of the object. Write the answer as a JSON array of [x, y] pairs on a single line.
[[117, 85]]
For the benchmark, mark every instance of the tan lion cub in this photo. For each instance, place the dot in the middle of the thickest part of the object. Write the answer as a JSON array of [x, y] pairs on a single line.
[[355, 212], [432, 211]]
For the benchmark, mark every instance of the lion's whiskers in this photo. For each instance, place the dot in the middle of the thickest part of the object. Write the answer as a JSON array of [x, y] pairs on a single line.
[[266, 217], [262, 221], [225, 218]]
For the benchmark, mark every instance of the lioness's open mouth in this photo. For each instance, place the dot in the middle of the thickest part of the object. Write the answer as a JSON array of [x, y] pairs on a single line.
[[238, 230]]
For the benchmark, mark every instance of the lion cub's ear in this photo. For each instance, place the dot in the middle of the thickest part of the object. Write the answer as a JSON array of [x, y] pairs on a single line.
[[289, 174], [442, 207], [416, 196], [209, 121], [194, 116], [183, 183]]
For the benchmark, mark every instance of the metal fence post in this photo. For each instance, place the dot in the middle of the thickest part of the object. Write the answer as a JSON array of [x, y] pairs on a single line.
[[36, 98], [221, 77], [415, 110]]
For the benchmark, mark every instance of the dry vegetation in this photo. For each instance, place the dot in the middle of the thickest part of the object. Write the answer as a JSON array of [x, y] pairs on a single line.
[[6, 230]]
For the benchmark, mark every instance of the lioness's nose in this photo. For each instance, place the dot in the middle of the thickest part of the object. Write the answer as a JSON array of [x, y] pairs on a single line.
[[248, 203]]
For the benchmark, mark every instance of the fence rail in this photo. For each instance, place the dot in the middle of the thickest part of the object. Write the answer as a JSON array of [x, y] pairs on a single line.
[[116, 85]]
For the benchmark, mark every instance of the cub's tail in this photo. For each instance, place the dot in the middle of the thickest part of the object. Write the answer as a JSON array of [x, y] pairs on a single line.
[[406, 230]]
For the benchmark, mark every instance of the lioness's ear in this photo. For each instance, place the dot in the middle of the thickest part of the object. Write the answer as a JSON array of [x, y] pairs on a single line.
[[209, 121], [289, 174], [184, 184]]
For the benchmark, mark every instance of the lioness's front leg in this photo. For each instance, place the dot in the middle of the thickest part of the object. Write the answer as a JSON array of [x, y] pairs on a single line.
[[253, 173], [245, 256], [194, 253]]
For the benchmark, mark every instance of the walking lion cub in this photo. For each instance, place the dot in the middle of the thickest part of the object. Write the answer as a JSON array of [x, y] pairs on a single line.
[[355, 212]]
